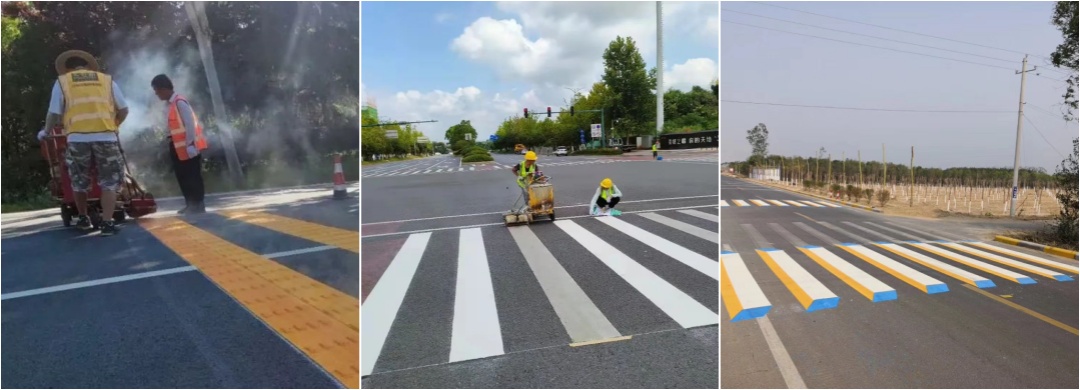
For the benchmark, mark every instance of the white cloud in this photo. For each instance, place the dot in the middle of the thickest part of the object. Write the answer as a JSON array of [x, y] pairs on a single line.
[[695, 71], [443, 17], [485, 110]]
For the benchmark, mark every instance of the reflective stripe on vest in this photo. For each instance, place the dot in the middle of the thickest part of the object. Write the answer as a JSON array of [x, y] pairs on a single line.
[[88, 102], [179, 133]]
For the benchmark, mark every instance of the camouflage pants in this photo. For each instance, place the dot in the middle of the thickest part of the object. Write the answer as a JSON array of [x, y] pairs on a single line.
[[105, 155]]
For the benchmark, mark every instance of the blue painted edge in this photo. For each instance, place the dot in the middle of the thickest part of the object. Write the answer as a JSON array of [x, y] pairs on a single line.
[[751, 313], [936, 288], [1025, 280], [1063, 278], [822, 304], [810, 247], [943, 241], [727, 253], [768, 249], [848, 244], [884, 296], [985, 283], [913, 242], [882, 242]]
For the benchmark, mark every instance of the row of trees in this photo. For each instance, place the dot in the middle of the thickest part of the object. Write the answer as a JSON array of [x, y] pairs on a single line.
[[377, 145]]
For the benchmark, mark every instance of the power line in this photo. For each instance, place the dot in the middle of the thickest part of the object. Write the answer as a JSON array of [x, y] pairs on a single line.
[[870, 36], [1048, 112], [869, 109], [1043, 137], [863, 44]]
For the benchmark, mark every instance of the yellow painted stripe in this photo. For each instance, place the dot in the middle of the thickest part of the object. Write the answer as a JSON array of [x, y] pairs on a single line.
[[1060, 252], [928, 265], [727, 292], [345, 239], [1027, 311], [847, 279], [1007, 240], [889, 270], [795, 288], [319, 320]]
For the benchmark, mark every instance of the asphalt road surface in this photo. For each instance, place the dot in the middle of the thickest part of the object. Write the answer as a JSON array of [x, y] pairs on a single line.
[[240, 297], [452, 298], [837, 297]]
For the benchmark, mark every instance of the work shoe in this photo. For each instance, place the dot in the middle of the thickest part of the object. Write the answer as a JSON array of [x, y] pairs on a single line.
[[197, 208], [84, 223], [183, 210], [108, 228]]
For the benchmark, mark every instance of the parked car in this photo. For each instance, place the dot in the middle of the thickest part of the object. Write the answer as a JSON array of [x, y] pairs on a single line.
[[561, 151]]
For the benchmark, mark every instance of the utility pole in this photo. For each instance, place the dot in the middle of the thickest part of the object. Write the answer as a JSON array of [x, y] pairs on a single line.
[[884, 168], [660, 70], [196, 12], [860, 168], [1019, 127], [911, 192]]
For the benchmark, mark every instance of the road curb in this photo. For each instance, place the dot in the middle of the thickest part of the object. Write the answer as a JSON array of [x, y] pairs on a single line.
[[843, 202], [1068, 254]]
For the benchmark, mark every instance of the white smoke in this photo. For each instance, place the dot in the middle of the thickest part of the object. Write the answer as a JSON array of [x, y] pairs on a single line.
[[134, 69]]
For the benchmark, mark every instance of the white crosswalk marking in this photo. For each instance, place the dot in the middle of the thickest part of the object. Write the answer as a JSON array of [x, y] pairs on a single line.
[[992, 269], [867, 285], [723, 203], [809, 291], [1026, 256], [740, 203], [776, 202], [910, 276], [693, 260], [741, 294], [476, 332], [957, 273], [795, 203], [683, 226], [686, 311], [757, 202], [1009, 262], [699, 214], [382, 304]]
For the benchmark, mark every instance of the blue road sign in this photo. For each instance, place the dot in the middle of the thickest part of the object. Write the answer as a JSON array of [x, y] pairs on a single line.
[[493, 138]]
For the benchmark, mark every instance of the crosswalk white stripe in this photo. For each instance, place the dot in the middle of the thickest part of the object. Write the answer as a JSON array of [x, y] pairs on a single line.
[[383, 302], [723, 203], [579, 315], [741, 294], [795, 203], [830, 204], [684, 227], [869, 286], [776, 202], [472, 168], [676, 304], [740, 203], [702, 215], [990, 268], [690, 258], [439, 171], [427, 171], [1025, 256], [812, 203], [1010, 262], [909, 275], [956, 273], [476, 332], [810, 292], [758, 202]]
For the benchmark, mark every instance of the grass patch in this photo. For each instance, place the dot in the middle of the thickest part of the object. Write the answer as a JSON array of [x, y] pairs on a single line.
[[477, 157], [389, 160], [39, 201]]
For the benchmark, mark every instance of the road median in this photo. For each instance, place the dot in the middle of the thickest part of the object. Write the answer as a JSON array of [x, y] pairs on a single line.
[[1068, 254]]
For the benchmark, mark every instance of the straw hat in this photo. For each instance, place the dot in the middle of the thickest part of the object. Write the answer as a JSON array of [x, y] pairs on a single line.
[[62, 68]]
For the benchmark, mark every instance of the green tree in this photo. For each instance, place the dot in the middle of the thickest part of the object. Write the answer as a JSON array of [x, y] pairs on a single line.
[[630, 84], [1065, 18], [1068, 180], [759, 140], [457, 132]]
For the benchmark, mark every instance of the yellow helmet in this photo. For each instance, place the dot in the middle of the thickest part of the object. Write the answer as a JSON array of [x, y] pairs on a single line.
[[530, 155], [606, 183]]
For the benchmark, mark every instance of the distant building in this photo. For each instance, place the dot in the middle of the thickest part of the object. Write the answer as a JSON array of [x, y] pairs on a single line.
[[370, 110]]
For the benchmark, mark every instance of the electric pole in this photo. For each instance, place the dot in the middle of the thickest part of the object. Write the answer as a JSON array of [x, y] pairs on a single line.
[[1019, 127]]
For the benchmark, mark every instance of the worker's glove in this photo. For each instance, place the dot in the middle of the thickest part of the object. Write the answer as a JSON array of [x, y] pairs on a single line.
[[41, 135]]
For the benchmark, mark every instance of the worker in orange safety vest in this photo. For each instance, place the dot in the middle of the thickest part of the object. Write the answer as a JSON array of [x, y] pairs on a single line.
[[186, 143]]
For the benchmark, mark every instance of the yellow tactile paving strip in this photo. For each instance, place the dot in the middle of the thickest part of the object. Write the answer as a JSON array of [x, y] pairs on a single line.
[[345, 239], [316, 318]]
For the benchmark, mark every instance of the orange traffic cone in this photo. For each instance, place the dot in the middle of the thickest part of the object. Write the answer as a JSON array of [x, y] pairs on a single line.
[[339, 179]]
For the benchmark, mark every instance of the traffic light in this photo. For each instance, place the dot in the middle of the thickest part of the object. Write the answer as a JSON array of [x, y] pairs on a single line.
[[526, 112], [549, 112]]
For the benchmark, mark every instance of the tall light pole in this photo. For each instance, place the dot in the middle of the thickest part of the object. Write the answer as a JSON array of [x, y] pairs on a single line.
[[659, 69]]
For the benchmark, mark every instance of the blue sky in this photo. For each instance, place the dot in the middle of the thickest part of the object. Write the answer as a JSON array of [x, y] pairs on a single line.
[[485, 61], [768, 66]]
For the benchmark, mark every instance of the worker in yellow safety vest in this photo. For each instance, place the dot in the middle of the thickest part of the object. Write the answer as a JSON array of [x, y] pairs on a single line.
[[655, 147], [185, 143], [525, 172], [91, 108], [605, 198]]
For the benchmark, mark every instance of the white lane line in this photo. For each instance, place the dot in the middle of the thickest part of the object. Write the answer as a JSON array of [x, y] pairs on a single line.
[[438, 171], [476, 332], [810, 292], [723, 203], [947, 269], [869, 286], [96, 282], [777, 202], [299, 251], [795, 203], [741, 294], [787, 366], [684, 227], [1025, 256], [690, 258], [579, 315], [472, 168], [676, 304], [1009, 262], [985, 267], [427, 171], [383, 302], [740, 203], [910, 276], [702, 215]]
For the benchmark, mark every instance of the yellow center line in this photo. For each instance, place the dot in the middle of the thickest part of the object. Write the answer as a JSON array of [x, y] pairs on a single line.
[[320, 321], [1027, 311], [345, 239]]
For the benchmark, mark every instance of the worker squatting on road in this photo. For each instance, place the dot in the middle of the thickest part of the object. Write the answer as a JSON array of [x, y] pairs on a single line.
[[185, 143], [605, 198], [525, 172], [91, 108]]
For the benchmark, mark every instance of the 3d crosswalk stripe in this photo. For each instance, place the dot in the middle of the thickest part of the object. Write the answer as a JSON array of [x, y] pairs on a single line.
[[683, 227], [992, 269], [813, 203], [682, 308], [1009, 262], [795, 203], [830, 204], [867, 285], [758, 202], [742, 296], [955, 273], [690, 258], [383, 302], [699, 214], [916, 279], [740, 203], [778, 203], [807, 289], [1025, 256], [723, 203], [476, 332]]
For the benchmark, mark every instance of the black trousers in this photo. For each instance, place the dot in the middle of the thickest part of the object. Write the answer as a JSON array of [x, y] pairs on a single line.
[[189, 177], [601, 202]]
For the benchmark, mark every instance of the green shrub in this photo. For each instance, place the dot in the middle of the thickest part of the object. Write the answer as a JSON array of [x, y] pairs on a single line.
[[477, 158], [883, 197], [869, 194]]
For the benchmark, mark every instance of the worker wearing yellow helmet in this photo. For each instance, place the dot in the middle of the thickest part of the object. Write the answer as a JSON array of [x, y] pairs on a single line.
[[605, 198], [526, 172]]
